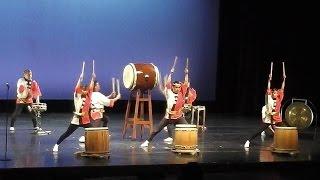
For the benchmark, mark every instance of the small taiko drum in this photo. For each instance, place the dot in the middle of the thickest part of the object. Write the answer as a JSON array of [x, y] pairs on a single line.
[[142, 76], [39, 107], [97, 140], [185, 137], [285, 139]]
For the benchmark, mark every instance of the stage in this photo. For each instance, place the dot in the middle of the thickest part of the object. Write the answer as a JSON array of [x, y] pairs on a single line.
[[221, 153]]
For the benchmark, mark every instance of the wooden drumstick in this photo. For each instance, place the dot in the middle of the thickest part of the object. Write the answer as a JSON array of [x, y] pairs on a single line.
[[283, 70], [271, 68], [187, 66], [113, 85], [118, 86], [83, 64], [93, 66], [174, 64]]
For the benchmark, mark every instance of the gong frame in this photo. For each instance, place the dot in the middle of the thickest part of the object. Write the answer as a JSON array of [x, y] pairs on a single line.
[[300, 105], [310, 105]]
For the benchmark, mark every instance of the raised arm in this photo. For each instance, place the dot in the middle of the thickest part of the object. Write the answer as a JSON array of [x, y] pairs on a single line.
[[284, 76], [93, 77]]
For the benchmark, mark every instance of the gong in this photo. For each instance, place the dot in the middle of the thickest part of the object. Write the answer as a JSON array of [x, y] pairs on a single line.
[[299, 114]]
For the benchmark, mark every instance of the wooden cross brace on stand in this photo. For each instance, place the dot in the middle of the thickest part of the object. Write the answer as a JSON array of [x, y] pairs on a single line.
[[138, 120]]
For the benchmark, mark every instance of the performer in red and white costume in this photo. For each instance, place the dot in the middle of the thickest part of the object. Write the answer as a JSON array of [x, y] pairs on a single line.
[[191, 94], [98, 103], [270, 113], [175, 94], [190, 97], [82, 103], [28, 90]]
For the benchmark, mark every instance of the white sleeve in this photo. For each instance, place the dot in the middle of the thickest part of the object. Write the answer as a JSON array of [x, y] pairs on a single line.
[[24, 93], [19, 83], [166, 92], [102, 99]]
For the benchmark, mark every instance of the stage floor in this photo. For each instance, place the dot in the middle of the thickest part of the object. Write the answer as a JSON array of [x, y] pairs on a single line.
[[221, 151]]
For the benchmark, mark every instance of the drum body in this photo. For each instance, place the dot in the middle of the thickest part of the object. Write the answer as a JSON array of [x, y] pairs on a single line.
[[185, 137], [285, 139], [140, 76], [39, 107], [97, 140]]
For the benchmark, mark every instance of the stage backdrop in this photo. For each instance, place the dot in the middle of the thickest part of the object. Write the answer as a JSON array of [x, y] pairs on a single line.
[[52, 38]]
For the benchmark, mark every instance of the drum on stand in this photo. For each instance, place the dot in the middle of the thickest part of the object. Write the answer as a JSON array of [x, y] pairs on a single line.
[[185, 138], [142, 76], [38, 108], [285, 140], [97, 140]]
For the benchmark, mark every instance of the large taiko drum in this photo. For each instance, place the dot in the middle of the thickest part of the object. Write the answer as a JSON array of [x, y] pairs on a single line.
[[285, 139], [185, 137], [140, 76], [97, 140]]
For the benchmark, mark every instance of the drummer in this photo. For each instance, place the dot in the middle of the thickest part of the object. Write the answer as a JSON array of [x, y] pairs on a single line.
[[98, 102], [82, 102], [271, 110], [175, 96], [190, 97], [28, 91]]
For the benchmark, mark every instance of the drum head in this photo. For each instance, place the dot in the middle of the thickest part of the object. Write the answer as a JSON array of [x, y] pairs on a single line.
[[186, 126], [96, 129], [156, 70], [285, 128], [299, 114], [129, 76]]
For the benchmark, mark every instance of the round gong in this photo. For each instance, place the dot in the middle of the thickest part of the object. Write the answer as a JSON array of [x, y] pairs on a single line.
[[299, 114]]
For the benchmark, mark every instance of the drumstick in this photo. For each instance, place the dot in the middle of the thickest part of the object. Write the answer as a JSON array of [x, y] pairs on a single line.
[[175, 61], [83, 63], [283, 70], [93, 66], [113, 85], [174, 64], [118, 86], [187, 64], [271, 68]]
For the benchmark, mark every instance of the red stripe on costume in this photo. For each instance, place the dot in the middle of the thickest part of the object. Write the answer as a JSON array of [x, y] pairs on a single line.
[[35, 89], [77, 90], [85, 119], [192, 95], [21, 88]]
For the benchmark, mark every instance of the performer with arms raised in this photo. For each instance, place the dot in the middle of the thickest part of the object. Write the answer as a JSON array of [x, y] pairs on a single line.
[[98, 103], [271, 110], [175, 93], [82, 103]]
